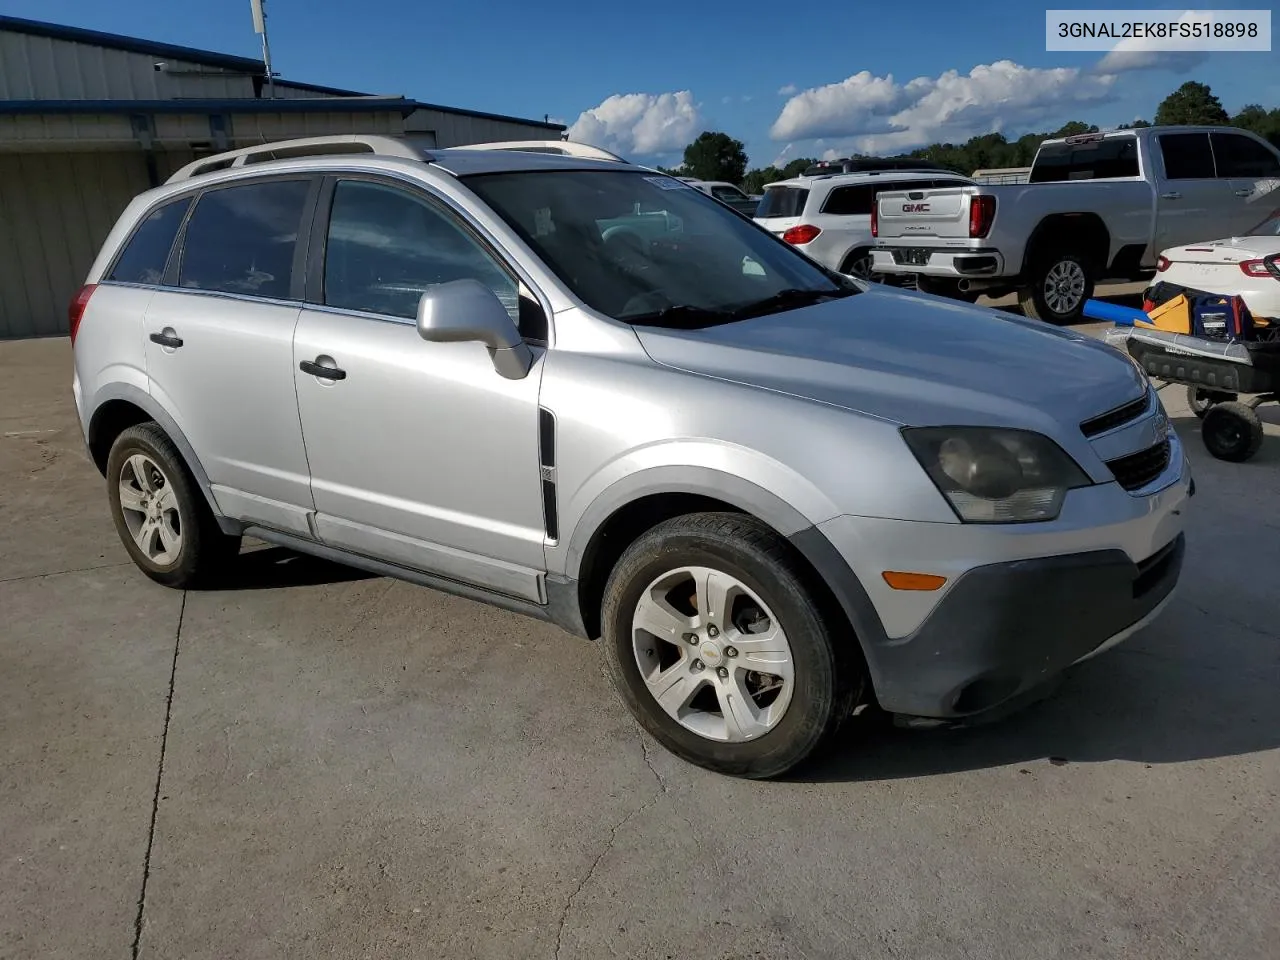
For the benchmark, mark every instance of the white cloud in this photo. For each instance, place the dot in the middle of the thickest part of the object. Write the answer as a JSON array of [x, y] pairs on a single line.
[[873, 114], [640, 123], [726, 99], [1135, 53], [788, 90], [1127, 59]]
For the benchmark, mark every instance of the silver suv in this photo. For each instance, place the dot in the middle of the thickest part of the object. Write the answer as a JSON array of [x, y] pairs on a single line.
[[587, 392]]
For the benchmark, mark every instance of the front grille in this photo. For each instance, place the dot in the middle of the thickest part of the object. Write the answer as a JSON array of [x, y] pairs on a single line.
[[1138, 469], [1115, 418]]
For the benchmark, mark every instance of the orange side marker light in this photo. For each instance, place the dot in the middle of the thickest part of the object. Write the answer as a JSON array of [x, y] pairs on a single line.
[[913, 581]]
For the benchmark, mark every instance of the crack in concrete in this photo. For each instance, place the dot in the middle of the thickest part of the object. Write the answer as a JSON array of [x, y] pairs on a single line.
[[155, 799], [1229, 619], [63, 573], [613, 838]]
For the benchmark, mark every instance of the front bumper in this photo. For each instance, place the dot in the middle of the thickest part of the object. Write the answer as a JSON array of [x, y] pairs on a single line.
[[1005, 628], [939, 262], [1021, 603]]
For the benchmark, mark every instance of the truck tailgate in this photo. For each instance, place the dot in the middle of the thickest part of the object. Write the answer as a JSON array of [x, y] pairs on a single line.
[[941, 213]]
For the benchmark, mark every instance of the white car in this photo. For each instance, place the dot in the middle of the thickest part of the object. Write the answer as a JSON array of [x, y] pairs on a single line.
[[725, 192], [1247, 266], [828, 217]]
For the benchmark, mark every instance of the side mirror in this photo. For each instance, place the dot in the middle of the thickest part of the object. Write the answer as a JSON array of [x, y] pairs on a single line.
[[467, 310]]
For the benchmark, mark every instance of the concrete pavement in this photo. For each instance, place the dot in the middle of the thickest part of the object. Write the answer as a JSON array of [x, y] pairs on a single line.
[[310, 762]]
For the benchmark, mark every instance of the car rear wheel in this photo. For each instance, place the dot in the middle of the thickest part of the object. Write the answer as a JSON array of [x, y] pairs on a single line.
[[162, 517], [718, 645], [1060, 283], [858, 264]]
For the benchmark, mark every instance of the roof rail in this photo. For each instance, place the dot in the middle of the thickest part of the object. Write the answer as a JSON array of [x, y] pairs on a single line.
[[869, 165], [564, 148], [306, 147]]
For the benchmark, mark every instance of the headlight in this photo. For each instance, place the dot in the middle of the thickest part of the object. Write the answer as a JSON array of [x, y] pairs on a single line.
[[996, 476]]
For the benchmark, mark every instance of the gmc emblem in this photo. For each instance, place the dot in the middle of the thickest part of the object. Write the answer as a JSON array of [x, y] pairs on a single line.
[[915, 208]]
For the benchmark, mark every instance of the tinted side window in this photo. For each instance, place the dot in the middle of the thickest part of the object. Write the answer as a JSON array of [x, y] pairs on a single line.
[[783, 202], [147, 251], [851, 201], [242, 239], [727, 193], [1187, 156], [1086, 160], [386, 247], [1239, 156]]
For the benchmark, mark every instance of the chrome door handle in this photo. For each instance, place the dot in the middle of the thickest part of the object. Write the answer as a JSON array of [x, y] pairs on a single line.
[[1172, 195], [1243, 193]]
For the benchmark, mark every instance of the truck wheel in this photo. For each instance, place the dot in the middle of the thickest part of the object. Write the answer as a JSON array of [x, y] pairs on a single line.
[[159, 512], [1059, 286], [1232, 431], [719, 646], [1200, 400], [944, 288]]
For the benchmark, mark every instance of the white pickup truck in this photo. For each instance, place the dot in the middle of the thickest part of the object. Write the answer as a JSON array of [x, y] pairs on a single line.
[[1098, 206]]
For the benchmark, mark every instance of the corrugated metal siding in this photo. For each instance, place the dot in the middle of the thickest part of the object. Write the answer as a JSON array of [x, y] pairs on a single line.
[[457, 130], [55, 212], [41, 68]]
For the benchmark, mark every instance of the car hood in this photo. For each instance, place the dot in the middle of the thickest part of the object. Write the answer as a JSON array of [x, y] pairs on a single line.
[[1227, 250], [912, 359]]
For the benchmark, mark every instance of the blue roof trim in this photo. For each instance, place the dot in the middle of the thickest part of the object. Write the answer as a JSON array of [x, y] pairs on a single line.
[[56, 31], [233, 105]]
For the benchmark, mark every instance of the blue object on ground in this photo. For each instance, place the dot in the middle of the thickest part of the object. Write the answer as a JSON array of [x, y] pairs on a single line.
[[1101, 310]]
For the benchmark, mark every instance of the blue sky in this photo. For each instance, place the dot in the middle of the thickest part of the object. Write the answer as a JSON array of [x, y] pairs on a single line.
[[645, 80]]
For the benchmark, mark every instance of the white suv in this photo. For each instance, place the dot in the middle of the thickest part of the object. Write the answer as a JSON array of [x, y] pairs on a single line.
[[829, 217]]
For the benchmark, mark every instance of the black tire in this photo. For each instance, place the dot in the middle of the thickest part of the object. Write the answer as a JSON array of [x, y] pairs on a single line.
[[940, 287], [204, 547], [1200, 400], [828, 667], [1232, 431], [1032, 298], [861, 258]]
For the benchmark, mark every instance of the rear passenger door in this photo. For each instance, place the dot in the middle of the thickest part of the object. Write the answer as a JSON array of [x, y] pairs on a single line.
[[219, 345], [1192, 204], [1252, 172]]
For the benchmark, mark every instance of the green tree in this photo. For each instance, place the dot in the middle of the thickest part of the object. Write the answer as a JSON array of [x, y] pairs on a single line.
[[716, 156], [1263, 122], [799, 165], [1191, 103], [1074, 128]]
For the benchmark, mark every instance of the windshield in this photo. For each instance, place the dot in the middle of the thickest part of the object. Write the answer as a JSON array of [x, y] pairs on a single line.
[[647, 249]]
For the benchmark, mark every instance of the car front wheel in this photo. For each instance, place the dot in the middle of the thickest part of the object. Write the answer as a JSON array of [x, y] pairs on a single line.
[[719, 646]]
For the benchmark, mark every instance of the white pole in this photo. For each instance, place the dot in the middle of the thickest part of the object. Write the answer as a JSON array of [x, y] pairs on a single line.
[[258, 8]]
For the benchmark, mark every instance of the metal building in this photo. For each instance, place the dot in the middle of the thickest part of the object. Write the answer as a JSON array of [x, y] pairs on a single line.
[[88, 120]]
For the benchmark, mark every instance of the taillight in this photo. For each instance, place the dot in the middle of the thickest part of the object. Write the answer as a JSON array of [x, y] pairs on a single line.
[[1255, 268], [75, 312], [982, 210], [875, 218], [801, 233], [1163, 264]]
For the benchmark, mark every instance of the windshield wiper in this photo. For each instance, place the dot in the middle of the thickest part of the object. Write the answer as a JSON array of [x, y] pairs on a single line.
[[789, 299], [681, 315]]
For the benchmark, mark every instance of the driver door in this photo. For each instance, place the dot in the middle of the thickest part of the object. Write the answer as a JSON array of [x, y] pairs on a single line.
[[420, 453]]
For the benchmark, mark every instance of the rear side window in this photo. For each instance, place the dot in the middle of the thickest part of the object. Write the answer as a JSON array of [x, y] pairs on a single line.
[[1238, 156], [386, 247], [1086, 160], [242, 239], [1187, 156], [145, 255], [727, 193], [783, 202], [850, 201]]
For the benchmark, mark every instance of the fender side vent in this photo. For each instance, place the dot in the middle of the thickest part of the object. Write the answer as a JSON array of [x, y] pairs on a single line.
[[547, 470]]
